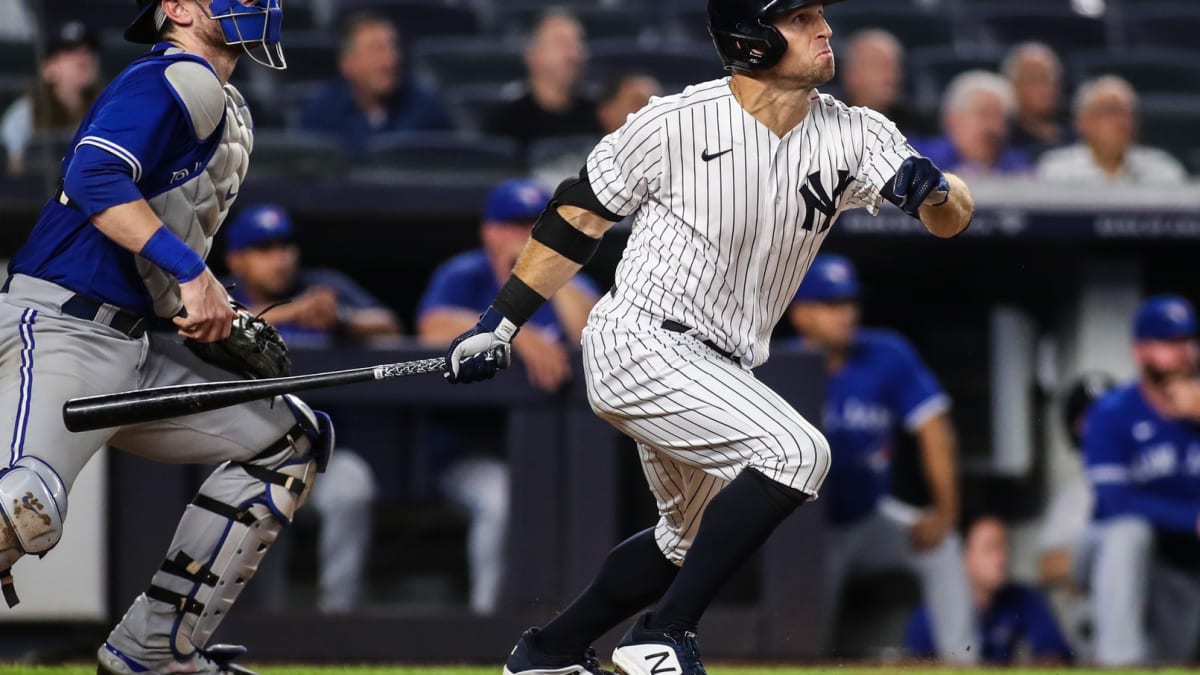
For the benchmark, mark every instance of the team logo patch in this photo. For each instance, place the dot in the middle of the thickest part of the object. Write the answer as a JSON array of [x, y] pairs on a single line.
[[818, 201]]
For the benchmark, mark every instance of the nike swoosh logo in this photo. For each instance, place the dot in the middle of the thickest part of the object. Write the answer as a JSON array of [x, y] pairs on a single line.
[[230, 194], [708, 158]]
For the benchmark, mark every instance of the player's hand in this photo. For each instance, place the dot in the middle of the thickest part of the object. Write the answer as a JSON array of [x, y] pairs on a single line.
[[918, 183], [929, 531], [483, 351], [207, 315], [545, 360], [1183, 397], [316, 308]]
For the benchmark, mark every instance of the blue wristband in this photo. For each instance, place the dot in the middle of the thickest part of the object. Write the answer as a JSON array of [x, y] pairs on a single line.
[[170, 253]]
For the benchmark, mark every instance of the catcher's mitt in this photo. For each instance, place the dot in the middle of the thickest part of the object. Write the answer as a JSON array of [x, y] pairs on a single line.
[[254, 348]]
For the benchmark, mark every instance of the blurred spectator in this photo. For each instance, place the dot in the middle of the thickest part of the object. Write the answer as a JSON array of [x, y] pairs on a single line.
[[264, 257], [476, 477], [1013, 618], [872, 70], [552, 104], [878, 389], [320, 305], [975, 112], [1106, 117], [1035, 73], [67, 85], [1142, 447], [375, 94]]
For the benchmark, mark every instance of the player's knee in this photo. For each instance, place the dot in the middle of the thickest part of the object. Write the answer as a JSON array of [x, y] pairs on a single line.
[[33, 506], [288, 468], [799, 459]]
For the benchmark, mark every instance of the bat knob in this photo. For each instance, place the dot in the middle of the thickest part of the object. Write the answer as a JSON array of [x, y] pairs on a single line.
[[502, 355]]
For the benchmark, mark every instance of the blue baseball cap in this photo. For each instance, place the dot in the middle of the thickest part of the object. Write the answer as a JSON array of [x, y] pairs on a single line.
[[830, 278], [1165, 317], [258, 225], [519, 200]]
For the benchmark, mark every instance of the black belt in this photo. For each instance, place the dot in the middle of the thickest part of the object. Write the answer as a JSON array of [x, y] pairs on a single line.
[[676, 327], [83, 307]]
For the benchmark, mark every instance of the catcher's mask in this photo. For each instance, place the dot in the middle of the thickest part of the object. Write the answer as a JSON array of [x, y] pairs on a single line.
[[257, 27]]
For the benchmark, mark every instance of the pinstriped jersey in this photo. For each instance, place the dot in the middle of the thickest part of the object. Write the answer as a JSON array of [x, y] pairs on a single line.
[[727, 215]]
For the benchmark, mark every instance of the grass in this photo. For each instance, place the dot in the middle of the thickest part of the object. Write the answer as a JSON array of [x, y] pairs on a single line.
[[12, 669]]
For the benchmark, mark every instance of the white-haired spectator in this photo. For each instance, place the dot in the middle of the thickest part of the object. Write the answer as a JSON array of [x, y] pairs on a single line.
[[975, 112], [1035, 73], [1106, 118], [872, 73]]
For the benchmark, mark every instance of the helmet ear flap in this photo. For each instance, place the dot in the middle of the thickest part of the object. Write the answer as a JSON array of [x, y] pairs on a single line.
[[751, 47]]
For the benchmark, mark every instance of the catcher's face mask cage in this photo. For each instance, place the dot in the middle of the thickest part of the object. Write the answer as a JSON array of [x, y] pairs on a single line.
[[257, 27]]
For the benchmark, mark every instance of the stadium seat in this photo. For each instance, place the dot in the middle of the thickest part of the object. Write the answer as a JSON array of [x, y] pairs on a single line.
[[444, 152], [1008, 23], [457, 61], [1173, 25], [600, 23], [932, 68], [293, 153], [420, 19], [912, 26], [472, 104], [675, 66], [1169, 123], [1150, 71], [17, 59]]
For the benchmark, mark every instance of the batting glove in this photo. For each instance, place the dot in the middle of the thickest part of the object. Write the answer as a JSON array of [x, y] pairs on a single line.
[[918, 180], [483, 351]]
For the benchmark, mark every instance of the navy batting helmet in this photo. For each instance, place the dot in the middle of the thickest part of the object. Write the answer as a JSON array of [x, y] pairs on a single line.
[[743, 33]]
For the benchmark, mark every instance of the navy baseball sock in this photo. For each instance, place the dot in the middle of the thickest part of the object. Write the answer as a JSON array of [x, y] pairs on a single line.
[[736, 523], [632, 577]]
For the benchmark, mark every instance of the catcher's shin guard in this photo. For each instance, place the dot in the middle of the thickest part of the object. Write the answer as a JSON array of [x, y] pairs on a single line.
[[224, 534]]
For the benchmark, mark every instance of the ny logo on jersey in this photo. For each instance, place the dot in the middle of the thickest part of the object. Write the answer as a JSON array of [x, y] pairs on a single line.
[[818, 201]]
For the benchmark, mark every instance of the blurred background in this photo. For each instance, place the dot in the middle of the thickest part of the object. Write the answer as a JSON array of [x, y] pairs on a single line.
[[377, 188]]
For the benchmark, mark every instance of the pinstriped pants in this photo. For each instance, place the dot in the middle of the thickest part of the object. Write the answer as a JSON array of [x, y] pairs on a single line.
[[698, 418]]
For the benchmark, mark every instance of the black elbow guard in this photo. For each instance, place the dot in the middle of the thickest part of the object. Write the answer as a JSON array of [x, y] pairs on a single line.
[[555, 232]]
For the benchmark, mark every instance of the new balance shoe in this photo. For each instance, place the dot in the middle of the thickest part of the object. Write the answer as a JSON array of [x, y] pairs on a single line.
[[648, 651], [216, 660], [527, 659]]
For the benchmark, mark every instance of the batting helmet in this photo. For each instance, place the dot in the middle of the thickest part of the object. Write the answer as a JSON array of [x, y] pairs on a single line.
[[743, 33]]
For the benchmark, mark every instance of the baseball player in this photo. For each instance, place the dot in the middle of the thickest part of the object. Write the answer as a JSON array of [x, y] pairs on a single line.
[[732, 185], [879, 389], [1142, 448], [151, 173]]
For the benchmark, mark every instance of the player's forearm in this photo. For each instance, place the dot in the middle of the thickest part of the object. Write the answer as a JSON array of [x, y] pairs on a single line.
[[440, 326], [545, 270], [370, 323], [129, 225], [937, 442], [952, 217]]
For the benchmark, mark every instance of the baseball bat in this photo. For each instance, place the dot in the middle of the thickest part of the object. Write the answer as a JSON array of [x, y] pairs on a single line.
[[147, 405]]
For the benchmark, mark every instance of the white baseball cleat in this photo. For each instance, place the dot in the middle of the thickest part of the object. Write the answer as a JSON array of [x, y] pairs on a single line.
[[648, 651], [215, 660]]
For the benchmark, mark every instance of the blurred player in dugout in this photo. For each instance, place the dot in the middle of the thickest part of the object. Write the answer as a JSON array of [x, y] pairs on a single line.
[[474, 473], [878, 389], [321, 308]]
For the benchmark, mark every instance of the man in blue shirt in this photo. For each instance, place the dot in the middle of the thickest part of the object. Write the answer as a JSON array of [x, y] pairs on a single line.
[[147, 181], [878, 388], [976, 110], [1142, 448], [474, 474], [1013, 618], [374, 95]]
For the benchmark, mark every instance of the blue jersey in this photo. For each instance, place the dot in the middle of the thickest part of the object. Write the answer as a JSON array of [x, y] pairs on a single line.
[[1143, 464], [467, 281], [350, 296], [137, 141], [883, 390], [1018, 616]]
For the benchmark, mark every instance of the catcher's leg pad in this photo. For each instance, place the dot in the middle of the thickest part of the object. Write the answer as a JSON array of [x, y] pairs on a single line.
[[224, 534], [33, 506]]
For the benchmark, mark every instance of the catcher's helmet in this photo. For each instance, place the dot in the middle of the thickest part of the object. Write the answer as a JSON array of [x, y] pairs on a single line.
[[258, 25], [743, 34]]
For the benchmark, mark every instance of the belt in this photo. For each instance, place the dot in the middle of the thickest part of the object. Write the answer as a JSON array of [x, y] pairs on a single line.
[[676, 327], [83, 307]]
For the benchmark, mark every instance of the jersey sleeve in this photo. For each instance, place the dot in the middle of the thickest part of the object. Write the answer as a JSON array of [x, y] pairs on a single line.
[[918, 636], [1046, 640], [915, 394], [129, 135], [625, 168], [881, 149]]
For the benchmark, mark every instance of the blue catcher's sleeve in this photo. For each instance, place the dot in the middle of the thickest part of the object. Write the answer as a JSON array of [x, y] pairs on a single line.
[[129, 134], [918, 637], [1046, 640], [915, 395], [1107, 451]]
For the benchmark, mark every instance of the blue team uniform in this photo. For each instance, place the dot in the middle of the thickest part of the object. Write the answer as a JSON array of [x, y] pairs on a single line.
[[114, 160], [1017, 616], [349, 294], [1145, 465], [883, 388]]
